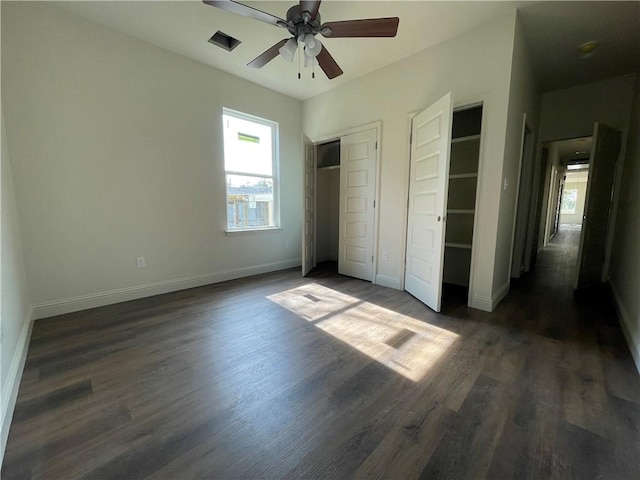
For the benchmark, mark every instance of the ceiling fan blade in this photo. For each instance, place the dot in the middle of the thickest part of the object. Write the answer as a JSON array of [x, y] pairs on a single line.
[[245, 10], [371, 27], [328, 64], [310, 6], [265, 57]]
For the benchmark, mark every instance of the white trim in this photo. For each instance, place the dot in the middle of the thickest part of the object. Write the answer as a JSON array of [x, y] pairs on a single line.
[[627, 325], [468, 138], [389, 282], [476, 249], [498, 295], [489, 304], [83, 302], [251, 231], [480, 302], [12, 382], [348, 131], [523, 135]]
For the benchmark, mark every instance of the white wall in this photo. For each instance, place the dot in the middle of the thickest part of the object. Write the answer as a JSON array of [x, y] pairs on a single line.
[[523, 99], [625, 262], [117, 153], [474, 66], [15, 312], [571, 112]]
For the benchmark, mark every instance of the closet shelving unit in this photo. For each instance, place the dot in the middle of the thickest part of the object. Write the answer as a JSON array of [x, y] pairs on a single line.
[[461, 201]]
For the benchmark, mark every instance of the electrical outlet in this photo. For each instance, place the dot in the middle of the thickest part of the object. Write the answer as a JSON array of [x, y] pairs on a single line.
[[287, 244], [140, 262], [385, 256]]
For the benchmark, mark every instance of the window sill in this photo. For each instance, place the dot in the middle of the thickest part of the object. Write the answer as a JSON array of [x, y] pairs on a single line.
[[252, 231]]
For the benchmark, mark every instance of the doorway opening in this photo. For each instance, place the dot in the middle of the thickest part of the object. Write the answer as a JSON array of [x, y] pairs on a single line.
[[341, 185], [567, 179], [579, 196]]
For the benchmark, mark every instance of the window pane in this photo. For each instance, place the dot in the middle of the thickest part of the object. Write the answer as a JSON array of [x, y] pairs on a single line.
[[247, 146], [249, 202], [569, 200]]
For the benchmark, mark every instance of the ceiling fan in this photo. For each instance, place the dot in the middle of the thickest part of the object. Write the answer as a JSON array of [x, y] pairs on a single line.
[[303, 23]]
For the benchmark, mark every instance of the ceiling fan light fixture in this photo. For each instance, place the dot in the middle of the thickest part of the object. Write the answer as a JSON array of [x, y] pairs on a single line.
[[288, 50], [309, 40], [313, 51], [309, 61]]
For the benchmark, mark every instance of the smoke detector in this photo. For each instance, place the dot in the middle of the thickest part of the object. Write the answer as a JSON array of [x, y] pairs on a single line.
[[587, 49]]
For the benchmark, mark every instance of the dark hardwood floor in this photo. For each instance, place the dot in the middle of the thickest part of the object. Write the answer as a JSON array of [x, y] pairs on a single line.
[[279, 376]]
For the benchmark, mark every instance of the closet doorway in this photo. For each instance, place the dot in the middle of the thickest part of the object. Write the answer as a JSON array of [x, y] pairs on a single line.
[[343, 209]]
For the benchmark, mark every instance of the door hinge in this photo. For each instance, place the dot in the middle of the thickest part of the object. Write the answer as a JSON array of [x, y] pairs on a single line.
[[371, 258], [374, 204]]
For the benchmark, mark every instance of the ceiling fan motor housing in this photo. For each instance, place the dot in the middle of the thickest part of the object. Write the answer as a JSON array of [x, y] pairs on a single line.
[[300, 23]]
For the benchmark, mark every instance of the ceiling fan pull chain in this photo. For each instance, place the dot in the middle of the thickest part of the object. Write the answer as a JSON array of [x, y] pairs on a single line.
[[299, 60]]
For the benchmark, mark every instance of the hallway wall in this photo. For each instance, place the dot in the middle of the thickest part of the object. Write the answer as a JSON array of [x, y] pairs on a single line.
[[624, 274], [15, 310]]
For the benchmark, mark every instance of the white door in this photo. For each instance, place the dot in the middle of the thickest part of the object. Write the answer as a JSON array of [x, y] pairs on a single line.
[[593, 238], [308, 225], [357, 202], [428, 185]]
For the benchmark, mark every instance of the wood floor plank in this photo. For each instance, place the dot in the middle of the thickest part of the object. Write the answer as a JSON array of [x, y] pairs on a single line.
[[466, 449], [280, 376]]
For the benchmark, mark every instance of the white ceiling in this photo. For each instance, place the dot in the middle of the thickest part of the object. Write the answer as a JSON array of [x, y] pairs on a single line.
[[573, 149], [554, 30]]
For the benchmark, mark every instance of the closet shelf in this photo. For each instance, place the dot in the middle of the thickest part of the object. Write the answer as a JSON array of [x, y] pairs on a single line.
[[459, 210], [464, 175], [469, 138], [458, 245]]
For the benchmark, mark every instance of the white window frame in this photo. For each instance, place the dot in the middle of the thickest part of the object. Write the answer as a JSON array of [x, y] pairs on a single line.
[[275, 177]]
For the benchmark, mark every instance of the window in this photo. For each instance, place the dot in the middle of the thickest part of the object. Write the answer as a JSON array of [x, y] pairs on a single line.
[[251, 169], [569, 199]]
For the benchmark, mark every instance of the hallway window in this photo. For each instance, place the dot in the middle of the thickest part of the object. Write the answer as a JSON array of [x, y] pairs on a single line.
[[251, 167], [569, 200]]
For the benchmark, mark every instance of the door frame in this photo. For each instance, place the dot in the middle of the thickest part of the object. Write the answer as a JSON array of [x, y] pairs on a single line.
[[526, 171], [376, 214], [465, 103], [314, 255]]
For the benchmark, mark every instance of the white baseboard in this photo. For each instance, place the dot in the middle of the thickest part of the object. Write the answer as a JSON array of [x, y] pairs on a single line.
[[389, 282], [630, 333], [488, 304], [75, 304], [12, 382], [497, 296], [481, 302]]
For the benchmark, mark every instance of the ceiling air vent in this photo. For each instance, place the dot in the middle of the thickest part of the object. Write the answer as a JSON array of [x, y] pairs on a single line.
[[225, 41]]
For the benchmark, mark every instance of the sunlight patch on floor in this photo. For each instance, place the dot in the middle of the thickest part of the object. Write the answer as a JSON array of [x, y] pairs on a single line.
[[404, 344]]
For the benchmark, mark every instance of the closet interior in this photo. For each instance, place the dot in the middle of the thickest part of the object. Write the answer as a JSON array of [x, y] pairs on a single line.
[[461, 200], [327, 200]]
